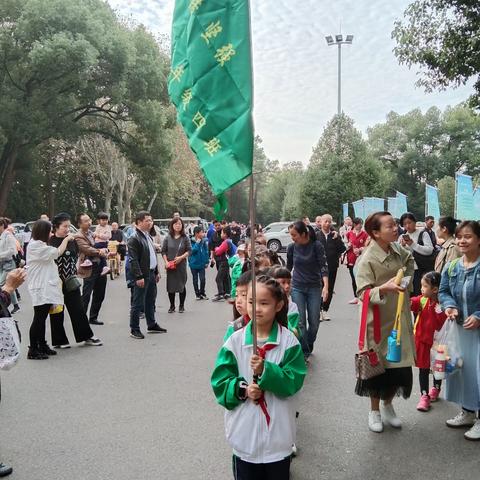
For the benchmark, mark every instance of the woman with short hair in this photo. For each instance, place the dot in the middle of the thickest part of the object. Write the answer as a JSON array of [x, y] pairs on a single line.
[[44, 285], [377, 268], [175, 251]]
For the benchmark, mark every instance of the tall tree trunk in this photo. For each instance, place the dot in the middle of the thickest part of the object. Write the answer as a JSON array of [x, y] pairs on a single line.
[[7, 173], [50, 194], [152, 201], [108, 201]]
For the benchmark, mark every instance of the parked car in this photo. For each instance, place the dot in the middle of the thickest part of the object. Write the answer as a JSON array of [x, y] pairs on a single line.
[[276, 227], [278, 240]]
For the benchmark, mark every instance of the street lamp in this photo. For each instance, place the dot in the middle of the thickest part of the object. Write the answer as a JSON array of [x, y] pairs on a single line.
[[339, 40]]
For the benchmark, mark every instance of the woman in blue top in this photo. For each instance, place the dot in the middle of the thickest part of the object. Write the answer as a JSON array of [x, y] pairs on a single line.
[[460, 298], [306, 257]]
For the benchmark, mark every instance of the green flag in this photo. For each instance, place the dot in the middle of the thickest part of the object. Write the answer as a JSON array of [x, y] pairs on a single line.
[[211, 85]]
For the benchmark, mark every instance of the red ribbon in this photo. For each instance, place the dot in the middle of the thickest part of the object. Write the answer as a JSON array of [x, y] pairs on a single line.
[[262, 352]]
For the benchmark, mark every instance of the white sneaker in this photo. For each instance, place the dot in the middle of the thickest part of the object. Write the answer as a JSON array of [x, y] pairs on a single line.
[[389, 415], [474, 432], [294, 450], [463, 419], [375, 423], [94, 342]]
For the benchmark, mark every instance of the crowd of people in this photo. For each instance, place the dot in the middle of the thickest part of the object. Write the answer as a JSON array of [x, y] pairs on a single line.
[[440, 264]]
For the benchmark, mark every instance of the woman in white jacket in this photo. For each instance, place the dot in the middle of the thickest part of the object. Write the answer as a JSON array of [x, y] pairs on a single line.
[[44, 285]]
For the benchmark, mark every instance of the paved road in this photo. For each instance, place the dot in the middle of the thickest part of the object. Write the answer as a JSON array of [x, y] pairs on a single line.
[[144, 409]]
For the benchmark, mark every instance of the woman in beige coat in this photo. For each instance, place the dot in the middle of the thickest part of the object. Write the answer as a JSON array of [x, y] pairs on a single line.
[[377, 269], [449, 251]]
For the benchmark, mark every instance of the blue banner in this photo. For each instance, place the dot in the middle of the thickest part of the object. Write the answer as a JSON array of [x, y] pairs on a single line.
[[464, 208], [432, 206], [379, 204], [345, 210], [392, 205], [402, 206], [359, 209], [369, 206], [476, 203]]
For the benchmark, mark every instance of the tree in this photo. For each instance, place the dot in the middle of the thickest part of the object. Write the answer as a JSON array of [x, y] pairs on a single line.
[[65, 62], [419, 148], [340, 173], [446, 196], [443, 38]]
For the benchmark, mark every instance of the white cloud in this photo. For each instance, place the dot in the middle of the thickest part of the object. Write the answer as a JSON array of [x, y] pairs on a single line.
[[296, 72]]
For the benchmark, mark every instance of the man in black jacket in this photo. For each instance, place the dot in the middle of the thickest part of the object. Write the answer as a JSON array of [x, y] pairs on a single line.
[[145, 276], [334, 247]]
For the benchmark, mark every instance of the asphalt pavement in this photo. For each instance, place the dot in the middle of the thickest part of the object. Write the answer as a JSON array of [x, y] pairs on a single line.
[[144, 409]]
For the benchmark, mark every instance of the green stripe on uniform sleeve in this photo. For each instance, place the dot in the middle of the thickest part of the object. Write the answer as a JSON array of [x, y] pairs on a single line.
[[286, 378], [225, 378]]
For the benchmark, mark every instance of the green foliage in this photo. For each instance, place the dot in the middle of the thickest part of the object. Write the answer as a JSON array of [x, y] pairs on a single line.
[[423, 148], [67, 63], [446, 196], [341, 169], [443, 38]]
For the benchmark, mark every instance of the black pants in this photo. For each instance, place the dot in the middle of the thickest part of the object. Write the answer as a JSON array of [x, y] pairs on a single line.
[[332, 276], [182, 295], [143, 300], [352, 276], [261, 471], [97, 284], [224, 283], [81, 328], [424, 376], [417, 282], [37, 329]]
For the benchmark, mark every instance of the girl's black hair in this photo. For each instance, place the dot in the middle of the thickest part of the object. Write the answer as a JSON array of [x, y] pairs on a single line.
[[303, 229], [102, 216], [449, 223], [357, 221], [432, 278], [280, 272], [227, 231], [279, 294], [244, 279], [58, 219], [41, 230]]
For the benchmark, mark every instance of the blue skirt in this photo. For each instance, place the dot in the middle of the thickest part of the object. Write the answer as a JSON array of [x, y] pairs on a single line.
[[463, 387]]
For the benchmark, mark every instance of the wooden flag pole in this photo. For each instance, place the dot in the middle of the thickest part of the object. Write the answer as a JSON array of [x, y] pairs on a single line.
[[252, 207]]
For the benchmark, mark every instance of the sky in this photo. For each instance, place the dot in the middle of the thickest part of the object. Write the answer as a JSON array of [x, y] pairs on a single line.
[[295, 72]]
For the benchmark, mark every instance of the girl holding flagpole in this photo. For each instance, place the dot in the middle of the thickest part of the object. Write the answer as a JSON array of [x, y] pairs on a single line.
[[258, 388]]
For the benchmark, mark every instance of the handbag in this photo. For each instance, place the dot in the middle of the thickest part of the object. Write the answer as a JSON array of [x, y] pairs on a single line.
[[9, 340], [367, 362], [72, 283], [171, 265]]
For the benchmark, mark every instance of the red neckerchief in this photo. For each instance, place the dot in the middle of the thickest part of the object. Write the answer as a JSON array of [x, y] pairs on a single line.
[[262, 352]]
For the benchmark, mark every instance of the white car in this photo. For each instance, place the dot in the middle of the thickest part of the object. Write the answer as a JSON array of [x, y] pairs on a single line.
[[277, 236]]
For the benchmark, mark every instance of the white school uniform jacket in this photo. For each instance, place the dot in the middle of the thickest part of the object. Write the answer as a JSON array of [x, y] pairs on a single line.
[[44, 284], [247, 431]]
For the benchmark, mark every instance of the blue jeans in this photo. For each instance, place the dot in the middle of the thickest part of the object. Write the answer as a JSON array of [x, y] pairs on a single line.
[[143, 300], [309, 301], [198, 275]]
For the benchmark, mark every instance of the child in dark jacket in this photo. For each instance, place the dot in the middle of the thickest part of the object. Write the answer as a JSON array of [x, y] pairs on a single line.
[[429, 318]]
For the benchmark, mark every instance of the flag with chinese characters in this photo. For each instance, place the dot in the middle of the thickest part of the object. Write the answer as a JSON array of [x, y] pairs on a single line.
[[210, 83]]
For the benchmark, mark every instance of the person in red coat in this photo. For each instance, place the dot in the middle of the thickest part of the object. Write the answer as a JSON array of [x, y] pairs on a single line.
[[428, 319], [356, 241]]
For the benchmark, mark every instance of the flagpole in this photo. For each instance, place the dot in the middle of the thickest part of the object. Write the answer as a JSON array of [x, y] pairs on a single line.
[[252, 205], [252, 261]]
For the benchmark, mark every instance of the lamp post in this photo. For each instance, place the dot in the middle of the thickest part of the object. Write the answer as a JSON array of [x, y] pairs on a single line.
[[339, 41]]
